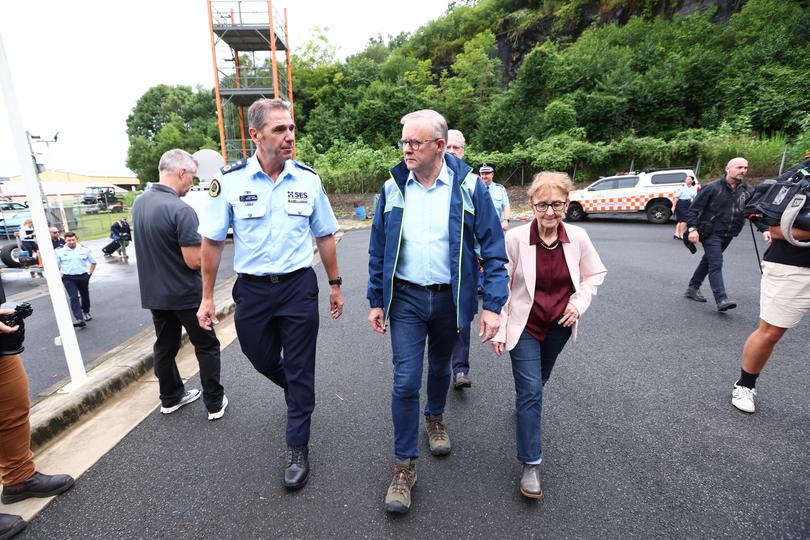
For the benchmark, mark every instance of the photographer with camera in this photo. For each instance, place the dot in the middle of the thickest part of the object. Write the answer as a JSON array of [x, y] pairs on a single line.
[[715, 218], [19, 476], [785, 285], [120, 232]]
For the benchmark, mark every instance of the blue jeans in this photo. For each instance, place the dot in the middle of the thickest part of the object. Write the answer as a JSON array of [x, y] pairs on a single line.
[[712, 264], [532, 362], [418, 314]]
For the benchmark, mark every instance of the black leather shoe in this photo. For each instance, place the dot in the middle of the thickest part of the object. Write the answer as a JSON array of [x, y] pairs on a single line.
[[39, 485], [10, 525], [297, 471]]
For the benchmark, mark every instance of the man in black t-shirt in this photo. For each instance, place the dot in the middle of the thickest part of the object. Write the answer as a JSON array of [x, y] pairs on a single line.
[[784, 300], [168, 248]]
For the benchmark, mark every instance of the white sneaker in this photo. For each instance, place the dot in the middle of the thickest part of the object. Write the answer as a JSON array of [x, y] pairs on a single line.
[[220, 413], [189, 397], [743, 398]]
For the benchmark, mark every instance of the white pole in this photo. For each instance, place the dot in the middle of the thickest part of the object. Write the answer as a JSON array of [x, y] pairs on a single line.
[[64, 320]]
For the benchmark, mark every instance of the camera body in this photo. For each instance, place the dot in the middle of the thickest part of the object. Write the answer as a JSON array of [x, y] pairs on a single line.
[[788, 193], [13, 343]]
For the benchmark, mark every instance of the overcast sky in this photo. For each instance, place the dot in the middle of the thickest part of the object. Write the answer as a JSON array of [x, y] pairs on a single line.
[[79, 66]]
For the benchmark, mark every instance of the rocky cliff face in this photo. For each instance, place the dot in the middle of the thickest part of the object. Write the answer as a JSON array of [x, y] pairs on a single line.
[[515, 43]]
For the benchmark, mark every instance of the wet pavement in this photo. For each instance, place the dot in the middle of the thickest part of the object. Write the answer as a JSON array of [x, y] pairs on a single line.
[[640, 438]]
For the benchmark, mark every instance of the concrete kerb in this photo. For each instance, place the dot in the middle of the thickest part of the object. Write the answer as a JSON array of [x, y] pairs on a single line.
[[110, 373]]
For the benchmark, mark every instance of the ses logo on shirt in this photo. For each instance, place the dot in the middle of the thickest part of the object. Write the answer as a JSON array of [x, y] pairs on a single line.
[[297, 197]]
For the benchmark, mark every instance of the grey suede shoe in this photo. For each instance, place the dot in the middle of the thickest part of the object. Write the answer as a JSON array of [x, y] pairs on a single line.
[[694, 294], [530, 482]]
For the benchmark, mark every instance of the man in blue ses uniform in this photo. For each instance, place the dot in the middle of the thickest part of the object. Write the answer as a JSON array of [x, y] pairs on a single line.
[[422, 278], [275, 206], [77, 264]]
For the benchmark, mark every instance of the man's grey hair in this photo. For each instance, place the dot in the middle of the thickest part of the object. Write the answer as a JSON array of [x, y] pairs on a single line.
[[456, 133], [257, 113], [437, 121], [175, 159]]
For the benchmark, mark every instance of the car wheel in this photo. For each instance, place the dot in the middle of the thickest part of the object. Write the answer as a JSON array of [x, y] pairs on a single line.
[[9, 254], [575, 212], [658, 213]]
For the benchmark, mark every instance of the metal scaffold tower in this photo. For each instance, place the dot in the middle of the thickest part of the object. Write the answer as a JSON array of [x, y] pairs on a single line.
[[245, 37]]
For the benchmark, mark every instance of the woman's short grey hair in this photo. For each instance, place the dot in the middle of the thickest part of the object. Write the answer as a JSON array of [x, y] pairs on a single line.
[[175, 159], [257, 113], [437, 121], [546, 181]]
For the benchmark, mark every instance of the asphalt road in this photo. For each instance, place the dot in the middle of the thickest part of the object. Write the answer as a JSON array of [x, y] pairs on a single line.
[[640, 438], [115, 307]]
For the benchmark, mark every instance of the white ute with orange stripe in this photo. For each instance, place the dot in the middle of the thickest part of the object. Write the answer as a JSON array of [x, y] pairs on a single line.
[[652, 192]]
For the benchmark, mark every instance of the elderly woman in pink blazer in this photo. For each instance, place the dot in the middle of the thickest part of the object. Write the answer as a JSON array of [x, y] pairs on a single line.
[[554, 271]]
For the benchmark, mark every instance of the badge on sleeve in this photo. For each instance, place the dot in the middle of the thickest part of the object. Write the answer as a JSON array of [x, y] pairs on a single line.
[[214, 189]]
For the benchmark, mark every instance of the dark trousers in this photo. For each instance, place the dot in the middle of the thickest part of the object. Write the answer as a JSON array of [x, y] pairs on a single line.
[[277, 325], [712, 265], [168, 327], [461, 351], [419, 315], [78, 290]]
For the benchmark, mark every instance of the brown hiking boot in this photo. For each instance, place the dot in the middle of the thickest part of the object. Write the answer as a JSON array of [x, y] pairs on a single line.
[[437, 436], [398, 498]]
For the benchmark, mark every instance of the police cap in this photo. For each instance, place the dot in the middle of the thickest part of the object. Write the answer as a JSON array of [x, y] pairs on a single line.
[[486, 168]]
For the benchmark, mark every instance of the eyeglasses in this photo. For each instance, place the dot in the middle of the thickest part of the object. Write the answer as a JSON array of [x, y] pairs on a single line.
[[413, 143], [542, 207]]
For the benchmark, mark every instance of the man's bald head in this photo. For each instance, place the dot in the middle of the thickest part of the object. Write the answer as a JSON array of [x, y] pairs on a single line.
[[736, 170]]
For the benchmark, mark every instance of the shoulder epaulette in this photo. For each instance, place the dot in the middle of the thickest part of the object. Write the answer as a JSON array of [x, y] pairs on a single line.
[[305, 167], [234, 166]]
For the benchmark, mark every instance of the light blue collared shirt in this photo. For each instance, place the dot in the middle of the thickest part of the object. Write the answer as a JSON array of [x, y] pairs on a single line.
[[686, 193], [424, 257], [273, 222], [74, 262], [499, 198]]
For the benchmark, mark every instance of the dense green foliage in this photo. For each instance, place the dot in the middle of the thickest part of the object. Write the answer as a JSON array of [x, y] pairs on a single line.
[[594, 86], [656, 91], [167, 117]]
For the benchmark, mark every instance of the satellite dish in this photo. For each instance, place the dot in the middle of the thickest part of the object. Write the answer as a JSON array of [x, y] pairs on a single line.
[[209, 162]]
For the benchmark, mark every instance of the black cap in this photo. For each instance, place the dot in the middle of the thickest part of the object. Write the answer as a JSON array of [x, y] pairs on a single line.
[[486, 167]]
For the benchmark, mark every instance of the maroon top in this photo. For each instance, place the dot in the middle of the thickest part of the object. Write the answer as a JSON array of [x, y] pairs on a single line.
[[552, 286]]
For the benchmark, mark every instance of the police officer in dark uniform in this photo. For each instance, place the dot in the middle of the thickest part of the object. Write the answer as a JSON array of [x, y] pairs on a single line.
[[275, 206]]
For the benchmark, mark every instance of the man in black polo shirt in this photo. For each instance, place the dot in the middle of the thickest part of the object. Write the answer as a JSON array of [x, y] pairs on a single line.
[[784, 300], [168, 256]]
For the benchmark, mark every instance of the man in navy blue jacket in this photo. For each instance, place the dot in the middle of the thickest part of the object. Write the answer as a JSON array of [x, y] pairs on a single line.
[[423, 280], [715, 218]]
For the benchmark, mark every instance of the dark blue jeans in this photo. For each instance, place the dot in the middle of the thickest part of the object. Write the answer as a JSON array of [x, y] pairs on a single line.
[[419, 315], [712, 264], [532, 362]]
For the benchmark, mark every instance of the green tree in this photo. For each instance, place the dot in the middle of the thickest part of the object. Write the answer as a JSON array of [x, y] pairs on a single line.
[[167, 117]]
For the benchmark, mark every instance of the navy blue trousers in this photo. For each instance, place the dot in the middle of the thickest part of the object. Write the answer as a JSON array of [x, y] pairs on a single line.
[[277, 325], [78, 291], [461, 351]]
